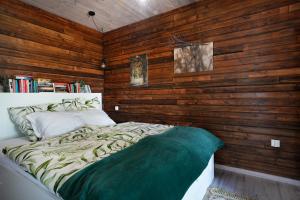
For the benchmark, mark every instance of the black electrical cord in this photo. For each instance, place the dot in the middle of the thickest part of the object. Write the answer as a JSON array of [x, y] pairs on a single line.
[[92, 14], [96, 24]]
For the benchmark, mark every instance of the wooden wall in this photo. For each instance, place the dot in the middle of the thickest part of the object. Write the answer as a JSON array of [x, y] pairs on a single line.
[[35, 42], [252, 95]]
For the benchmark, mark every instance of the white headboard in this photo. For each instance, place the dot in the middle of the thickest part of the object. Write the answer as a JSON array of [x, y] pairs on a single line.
[[7, 128]]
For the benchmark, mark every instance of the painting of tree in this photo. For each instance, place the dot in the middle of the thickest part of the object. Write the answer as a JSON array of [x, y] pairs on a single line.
[[193, 58], [139, 70]]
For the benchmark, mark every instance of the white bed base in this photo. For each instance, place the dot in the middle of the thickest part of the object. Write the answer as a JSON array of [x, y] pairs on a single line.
[[7, 128], [198, 189], [13, 178]]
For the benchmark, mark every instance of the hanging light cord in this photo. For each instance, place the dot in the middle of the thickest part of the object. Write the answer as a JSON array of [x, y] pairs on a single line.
[[98, 29]]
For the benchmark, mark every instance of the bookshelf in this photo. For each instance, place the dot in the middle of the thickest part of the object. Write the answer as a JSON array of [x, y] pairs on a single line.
[[28, 84]]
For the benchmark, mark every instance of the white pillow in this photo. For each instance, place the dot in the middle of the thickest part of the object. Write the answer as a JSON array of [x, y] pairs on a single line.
[[49, 124], [94, 117]]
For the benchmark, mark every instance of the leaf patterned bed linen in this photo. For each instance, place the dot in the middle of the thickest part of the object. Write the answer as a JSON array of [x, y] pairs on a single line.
[[53, 161], [79, 104]]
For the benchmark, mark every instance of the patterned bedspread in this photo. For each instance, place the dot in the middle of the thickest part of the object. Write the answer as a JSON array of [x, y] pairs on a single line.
[[55, 160]]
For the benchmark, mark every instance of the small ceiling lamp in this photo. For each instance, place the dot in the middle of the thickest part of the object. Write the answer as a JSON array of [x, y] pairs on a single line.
[[103, 64], [92, 14]]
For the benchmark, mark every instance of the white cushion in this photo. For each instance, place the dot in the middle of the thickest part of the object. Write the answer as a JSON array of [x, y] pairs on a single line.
[[94, 117], [49, 124]]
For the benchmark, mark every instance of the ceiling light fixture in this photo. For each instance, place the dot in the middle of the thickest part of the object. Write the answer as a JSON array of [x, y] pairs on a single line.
[[103, 64], [92, 14]]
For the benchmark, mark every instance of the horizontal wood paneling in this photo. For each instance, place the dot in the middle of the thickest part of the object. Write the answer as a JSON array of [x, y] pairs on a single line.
[[35, 42], [252, 96]]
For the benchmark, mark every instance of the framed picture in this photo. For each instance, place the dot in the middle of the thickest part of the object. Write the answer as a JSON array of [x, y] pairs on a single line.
[[139, 70], [193, 58]]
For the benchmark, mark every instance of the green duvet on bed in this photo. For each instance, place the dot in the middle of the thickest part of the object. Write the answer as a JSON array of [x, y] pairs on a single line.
[[157, 167], [92, 162]]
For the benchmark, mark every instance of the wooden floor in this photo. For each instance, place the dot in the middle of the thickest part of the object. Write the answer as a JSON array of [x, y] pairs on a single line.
[[257, 188]]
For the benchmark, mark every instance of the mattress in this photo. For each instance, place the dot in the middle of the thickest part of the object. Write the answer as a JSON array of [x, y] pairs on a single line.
[[196, 190]]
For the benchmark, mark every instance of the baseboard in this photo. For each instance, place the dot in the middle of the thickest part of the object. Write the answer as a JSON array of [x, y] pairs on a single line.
[[259, 175]]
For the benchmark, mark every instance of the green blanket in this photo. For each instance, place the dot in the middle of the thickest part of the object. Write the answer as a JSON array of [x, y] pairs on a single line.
[[157, 167]]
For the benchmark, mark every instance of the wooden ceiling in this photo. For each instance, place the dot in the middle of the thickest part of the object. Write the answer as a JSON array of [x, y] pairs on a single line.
[[110, 14]]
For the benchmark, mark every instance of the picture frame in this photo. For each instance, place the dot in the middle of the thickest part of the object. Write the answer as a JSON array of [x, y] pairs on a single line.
[[193, 58], [139, 70]]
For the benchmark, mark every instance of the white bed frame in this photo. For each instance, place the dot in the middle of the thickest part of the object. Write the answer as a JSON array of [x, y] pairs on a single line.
[[7, 128], [13, 178]]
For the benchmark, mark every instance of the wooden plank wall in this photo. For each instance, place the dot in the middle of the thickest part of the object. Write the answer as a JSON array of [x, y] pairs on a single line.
[[35, 42], [251, 96]]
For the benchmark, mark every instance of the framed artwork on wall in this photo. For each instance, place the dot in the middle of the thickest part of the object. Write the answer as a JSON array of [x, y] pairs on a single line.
[[193, 58], [139, 70]]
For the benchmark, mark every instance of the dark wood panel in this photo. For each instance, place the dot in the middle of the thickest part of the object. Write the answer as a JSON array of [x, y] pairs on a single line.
[[251, 97], [35, 42]]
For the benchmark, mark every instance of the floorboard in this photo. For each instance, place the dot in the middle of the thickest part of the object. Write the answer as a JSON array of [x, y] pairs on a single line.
[[257, 188]]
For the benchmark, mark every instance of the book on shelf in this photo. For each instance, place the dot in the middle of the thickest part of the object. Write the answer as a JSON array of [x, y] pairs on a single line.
[[22, 77], [11, 85], [45, 85], [87, 89], [46, 89], [60, 87], [44, 82]]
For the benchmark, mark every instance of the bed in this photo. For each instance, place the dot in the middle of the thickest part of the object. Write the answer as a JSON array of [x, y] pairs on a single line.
[[195, 191]]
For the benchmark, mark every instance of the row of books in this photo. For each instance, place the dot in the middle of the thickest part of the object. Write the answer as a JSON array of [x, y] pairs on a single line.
[[26, 84], [22, 86]]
